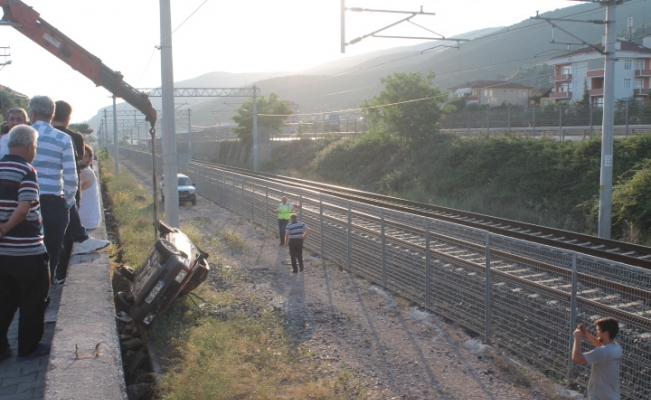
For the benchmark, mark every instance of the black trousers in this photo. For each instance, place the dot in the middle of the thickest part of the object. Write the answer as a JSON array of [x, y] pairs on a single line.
[[24, 284], [282, 224], [296, 253], [55, 216], [75, 232]]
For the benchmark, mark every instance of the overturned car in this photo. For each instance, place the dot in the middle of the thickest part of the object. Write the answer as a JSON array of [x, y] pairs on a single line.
[[173, 268]]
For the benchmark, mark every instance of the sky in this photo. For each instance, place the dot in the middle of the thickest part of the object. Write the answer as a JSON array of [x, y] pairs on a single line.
[[226, 35]]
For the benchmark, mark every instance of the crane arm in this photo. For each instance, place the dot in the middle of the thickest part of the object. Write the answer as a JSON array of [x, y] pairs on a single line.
[[28, 22]]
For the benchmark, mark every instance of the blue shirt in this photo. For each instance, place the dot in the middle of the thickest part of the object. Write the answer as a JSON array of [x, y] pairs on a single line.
[[55, 162], [296, 230]]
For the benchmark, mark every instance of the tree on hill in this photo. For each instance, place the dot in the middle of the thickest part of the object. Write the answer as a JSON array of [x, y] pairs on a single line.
[[10, 99], [272, 124], [408, 107], [81, 128]]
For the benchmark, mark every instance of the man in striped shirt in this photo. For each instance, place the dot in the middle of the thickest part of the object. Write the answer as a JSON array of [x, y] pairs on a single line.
[[295, 233], [24, 274], [57, 176]]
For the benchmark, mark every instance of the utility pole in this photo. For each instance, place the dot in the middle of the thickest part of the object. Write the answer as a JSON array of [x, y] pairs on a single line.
[[170, 167], [116, 147], [609, 50], [606, 175], [343, 26], [255, 129], [190, 133]]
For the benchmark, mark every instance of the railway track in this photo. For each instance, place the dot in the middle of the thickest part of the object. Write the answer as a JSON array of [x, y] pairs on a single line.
[[618, 251]]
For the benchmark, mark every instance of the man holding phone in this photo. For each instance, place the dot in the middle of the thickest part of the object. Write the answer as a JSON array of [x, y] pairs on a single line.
[[606, 359]]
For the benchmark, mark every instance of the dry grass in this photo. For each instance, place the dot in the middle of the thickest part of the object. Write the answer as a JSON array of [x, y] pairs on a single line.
[[523, 376], [132, 206], [233, 240], [242, 358]]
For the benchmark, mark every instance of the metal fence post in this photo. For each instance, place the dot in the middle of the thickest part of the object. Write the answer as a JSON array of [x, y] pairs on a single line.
[[300, 203], [253, 201], [468, 122], [508, 109], [560, 122], [487, 291], [573, 315], [349, 238], [534, 121], [627, 111], [384, 248], [266, 204], [242, 197], [232, 193], [321, 224], [488, 121], [222, 192], [428, 267], [591, 120]]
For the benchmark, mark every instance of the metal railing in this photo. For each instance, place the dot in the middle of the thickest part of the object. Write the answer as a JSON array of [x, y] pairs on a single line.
[[522, 296], [631, 116]]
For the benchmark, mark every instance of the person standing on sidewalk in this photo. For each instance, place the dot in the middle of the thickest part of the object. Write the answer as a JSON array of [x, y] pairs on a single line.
[[24, 273], [284, 211], [76, 239], [15, 116], [90, 208], [606, 359], [296, 233], [57, 176]]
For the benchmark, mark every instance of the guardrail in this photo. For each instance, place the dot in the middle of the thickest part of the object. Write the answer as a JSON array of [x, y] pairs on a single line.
[[496, 286]]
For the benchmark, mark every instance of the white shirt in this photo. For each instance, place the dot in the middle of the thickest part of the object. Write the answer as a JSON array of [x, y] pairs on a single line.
[[4, 145], [90, 209], [604, 379]]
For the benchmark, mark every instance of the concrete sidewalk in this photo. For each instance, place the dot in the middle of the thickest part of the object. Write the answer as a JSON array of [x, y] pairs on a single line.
[[26, 380]]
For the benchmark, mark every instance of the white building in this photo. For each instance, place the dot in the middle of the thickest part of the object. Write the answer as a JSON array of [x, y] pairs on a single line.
[[632, 73]]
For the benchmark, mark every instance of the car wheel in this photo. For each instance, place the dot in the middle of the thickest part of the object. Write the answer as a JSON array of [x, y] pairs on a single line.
[[122, 302], [127, 272], [165, 249], [194, 202]]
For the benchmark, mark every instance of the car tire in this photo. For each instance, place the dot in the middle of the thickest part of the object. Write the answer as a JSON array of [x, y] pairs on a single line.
[[194, 202], [127, 272], [166, 249], [122, 302]]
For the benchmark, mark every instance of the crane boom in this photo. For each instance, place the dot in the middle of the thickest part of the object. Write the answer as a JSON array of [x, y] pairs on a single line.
[[28, 22]]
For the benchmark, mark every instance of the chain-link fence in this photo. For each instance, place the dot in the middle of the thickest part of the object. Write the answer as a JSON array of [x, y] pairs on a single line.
[[522, 296], [631, 117]]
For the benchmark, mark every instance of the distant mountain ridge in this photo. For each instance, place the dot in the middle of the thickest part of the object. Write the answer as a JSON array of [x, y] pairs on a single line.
[[494, 53]]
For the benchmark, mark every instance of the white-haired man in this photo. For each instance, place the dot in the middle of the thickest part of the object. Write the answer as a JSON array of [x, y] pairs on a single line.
[[24, 273]]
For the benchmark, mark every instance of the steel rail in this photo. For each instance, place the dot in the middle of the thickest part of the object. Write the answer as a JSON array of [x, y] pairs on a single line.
[[623, 252], [644, 294]]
